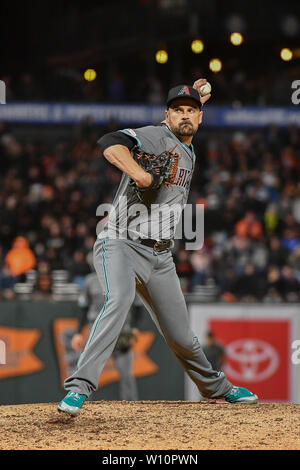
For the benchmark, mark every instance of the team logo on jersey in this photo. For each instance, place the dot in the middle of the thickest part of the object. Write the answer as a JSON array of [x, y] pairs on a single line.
[[182, 177], [130, 131], [184, 91]]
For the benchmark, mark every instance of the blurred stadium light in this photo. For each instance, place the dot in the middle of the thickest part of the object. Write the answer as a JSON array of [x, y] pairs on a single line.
[[286, 54], [90, 75], [236, 39], [215, 65], [197, 46], [161, 56]]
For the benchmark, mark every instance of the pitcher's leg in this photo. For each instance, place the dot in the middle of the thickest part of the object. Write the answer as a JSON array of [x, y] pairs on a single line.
[[167, 302], [117, 281]]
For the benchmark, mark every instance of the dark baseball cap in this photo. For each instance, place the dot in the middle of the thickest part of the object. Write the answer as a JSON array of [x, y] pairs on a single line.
[[183, 91]]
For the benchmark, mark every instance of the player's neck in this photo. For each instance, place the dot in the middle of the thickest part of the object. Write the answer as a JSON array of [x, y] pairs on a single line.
[[186, 139]]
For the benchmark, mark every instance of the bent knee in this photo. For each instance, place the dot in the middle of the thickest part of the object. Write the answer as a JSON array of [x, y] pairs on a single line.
[[184, 345]]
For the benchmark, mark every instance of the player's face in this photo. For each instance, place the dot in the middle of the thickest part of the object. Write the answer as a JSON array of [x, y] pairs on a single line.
[[183, 117]]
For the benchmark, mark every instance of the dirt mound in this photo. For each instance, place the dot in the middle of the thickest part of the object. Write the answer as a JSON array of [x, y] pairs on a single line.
[[120, 425]]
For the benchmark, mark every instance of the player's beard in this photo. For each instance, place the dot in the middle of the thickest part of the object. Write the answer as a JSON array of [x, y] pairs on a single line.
[[183, 129]]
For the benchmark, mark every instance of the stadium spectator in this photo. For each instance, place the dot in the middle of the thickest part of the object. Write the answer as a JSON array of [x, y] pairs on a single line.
[[274, 287], [294, 261], [43, 287], [7, 281], [184, 269], [20, 258], [277, 254], [249, 286], [227, 281], [271, 219], [290, 239], [237, 253], [214, 351], [78, 267], [291, 285], [249, 226], [200, 261]]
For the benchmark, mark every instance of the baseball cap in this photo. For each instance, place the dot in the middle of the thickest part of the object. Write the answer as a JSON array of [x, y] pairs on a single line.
[[183, 91]]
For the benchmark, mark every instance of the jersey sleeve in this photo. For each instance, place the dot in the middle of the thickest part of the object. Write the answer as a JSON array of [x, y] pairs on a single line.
[[116, 138], [147, 138]]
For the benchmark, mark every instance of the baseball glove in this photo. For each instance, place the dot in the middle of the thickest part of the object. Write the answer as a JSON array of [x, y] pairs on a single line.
[[124, 342], [163, 167]]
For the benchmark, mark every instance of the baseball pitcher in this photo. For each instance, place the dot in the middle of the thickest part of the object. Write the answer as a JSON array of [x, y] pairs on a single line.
[[133, 251]]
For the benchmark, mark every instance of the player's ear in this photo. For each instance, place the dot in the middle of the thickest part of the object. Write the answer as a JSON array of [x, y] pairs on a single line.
[[200, 117], [167, 115]]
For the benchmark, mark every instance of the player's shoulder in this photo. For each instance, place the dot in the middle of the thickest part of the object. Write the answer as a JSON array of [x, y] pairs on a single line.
[[152, 128], [148, 138], [151, 131]]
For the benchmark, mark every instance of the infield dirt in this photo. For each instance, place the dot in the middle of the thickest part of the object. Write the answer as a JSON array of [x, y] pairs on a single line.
[[148, 425]]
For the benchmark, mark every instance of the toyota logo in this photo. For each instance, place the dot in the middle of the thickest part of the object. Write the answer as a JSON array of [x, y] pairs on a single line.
[[251, 360]]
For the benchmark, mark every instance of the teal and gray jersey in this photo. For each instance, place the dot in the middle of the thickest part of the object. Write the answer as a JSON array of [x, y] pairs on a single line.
[[155, 213]]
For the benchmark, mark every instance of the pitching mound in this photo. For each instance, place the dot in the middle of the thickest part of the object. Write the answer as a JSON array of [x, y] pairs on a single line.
[[144, 425]]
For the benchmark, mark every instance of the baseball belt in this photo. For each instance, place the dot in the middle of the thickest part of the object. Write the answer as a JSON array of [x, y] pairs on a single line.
[[157, 245]]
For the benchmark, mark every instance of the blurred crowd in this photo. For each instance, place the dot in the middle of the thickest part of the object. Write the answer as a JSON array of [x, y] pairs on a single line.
[[67, 84], [248, 182]]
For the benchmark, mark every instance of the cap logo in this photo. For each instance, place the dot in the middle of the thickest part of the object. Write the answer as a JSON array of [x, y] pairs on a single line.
[[184, 91]]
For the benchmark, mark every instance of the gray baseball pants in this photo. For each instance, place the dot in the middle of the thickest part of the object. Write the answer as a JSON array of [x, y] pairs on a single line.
[[124, 266]]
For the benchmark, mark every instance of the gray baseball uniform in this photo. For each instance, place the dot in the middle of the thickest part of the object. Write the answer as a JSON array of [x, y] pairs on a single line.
[[125, 265]]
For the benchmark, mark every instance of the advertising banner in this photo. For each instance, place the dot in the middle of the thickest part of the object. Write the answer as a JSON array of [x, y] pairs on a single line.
[[140, 114], [258, 340], [36, 356]]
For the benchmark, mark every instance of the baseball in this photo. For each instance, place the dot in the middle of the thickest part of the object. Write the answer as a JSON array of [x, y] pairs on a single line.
[[205, 89]]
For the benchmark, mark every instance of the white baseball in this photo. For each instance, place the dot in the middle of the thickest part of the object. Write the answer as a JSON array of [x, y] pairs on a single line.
[[205, 89]]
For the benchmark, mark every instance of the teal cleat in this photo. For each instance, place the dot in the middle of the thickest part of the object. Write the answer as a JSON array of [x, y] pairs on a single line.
[[241, 395], [72, 403]]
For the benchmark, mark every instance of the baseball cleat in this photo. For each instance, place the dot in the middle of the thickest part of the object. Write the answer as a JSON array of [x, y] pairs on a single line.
[[241, 395], [72, 403]]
